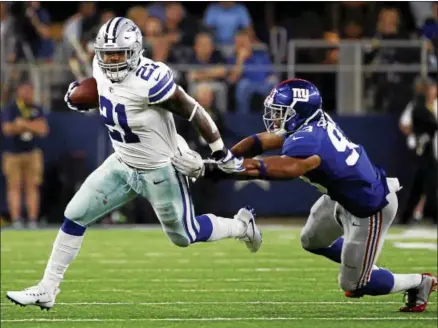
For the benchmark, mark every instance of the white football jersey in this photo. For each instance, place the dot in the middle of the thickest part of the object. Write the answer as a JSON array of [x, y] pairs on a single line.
[[143, 135]]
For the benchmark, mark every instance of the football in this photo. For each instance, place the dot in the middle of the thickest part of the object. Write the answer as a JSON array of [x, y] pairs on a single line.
[[86, 94]]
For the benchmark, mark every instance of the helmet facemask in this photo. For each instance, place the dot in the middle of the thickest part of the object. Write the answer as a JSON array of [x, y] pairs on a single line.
[[276, 116], [121, 36], [118, 71]]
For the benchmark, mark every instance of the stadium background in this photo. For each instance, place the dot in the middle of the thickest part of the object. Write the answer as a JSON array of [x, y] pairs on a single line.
[[366, 78]]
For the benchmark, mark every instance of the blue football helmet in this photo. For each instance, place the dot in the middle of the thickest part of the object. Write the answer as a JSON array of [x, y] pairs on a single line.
[[290, 104]]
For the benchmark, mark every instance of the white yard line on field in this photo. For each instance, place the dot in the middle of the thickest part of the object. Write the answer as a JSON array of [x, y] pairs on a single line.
[[185, 290], [419, 233], [411, 245], [173, 270], [228, 319], [170, 280], [412, 232], [225, 303]]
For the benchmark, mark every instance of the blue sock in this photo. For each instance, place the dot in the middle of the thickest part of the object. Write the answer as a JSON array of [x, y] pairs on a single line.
[[332, 252], [205, 228], [381, 283], [72, 228]]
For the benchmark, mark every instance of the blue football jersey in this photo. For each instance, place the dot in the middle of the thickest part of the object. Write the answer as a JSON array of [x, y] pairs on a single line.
[[346, 173]]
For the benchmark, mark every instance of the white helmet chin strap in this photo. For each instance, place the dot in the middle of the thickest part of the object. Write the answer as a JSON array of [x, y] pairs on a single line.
[[319, 111], [118, 75], [280, 132]]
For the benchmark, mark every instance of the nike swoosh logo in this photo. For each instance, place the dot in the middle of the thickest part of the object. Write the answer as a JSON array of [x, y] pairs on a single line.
[[350, 267], [158, 182], [356, 224], [253, 229], [158, 77], [127, 37], [296, 138]]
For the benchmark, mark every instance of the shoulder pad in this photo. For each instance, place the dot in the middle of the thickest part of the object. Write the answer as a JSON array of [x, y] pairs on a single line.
[[301, 144], [159, 80]]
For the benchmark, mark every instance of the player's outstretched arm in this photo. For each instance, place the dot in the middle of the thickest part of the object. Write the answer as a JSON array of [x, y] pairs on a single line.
[[257, 144], [269, 168]]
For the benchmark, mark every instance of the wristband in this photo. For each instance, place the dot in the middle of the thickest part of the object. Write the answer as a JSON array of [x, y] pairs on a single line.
[[257, 144], [217, 145], [262, 168]]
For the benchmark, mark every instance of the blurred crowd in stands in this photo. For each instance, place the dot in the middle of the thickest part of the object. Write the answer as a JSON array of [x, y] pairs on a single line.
[[230, 55]]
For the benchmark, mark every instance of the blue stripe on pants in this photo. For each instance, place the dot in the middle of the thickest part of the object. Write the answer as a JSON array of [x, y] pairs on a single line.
[[189, 194], [188, 220], [184, 218]]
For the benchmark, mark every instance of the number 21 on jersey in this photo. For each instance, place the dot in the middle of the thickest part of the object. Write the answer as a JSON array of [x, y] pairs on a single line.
[[116, 116]]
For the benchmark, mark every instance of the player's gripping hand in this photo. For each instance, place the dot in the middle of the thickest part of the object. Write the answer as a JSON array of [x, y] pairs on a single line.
[[189, 163], [227, 162], [67, 99]]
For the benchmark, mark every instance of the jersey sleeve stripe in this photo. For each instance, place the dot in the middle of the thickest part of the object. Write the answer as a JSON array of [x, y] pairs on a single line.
[[160, 85], [163, 94]]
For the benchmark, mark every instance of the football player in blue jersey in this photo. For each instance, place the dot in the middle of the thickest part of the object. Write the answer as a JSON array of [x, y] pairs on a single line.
[[348, 223]]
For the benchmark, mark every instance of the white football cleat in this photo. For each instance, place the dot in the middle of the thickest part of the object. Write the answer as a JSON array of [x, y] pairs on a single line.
[[253, 235], [35, 295]]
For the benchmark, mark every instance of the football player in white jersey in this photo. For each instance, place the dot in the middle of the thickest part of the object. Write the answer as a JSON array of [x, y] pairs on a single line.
[[137, 97]]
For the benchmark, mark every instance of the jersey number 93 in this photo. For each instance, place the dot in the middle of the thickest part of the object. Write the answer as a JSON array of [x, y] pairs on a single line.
[[341, 143]]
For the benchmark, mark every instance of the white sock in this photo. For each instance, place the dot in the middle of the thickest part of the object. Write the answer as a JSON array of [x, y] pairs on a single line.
[[404, 282], [226, 228], [65, 249]]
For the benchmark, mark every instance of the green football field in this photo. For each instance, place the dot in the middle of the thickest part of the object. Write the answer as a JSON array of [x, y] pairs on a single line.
[[136, 278]]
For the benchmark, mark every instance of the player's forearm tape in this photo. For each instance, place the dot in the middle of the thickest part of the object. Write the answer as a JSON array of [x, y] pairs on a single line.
[[203, 121], [262, 168], [257, 148], [217, 145], [195, 109]]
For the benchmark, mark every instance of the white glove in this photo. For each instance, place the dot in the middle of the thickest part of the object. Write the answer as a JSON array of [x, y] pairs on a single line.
[[231, 164], [188, 162], [67, 100], [71, 87]]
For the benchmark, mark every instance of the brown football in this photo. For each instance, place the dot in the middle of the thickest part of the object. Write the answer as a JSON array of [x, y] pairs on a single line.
[[86, 94]]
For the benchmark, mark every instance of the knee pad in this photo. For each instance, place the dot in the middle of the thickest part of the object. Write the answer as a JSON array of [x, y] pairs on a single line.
[[346, 280], [167, 213], [309, 240], [305, 239], [74, 211], [172, 225], [346, 285], [178, 239]]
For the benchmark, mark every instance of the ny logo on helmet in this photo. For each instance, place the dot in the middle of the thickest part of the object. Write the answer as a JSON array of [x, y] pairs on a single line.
[[301, 94]]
